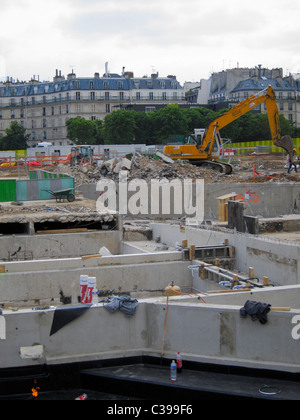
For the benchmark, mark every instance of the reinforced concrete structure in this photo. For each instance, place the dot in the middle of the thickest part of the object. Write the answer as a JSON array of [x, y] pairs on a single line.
[[218, 270]]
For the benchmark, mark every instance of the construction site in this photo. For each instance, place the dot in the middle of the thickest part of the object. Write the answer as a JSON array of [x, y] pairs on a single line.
[[185, 285], [111, 268]]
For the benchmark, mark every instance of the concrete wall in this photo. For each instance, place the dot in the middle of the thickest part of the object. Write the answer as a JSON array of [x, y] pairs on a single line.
[[261, 199], [202, 332], [44, 282], [266, 199], [61, 245], [280, 261]]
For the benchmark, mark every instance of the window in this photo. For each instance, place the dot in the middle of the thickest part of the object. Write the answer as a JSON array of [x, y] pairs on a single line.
[[150, 85], [92, 96], [121, 96], [164, 96], [44, 112], [138, 96], [77, 84], [107, 96], [120, 85], [107, 108], [91, 85], [281, 106], [151, 96], [77, 96], [290, 106], [149, 108]]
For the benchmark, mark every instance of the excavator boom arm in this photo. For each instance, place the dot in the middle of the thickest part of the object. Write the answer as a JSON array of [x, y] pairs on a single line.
[[242, 108]]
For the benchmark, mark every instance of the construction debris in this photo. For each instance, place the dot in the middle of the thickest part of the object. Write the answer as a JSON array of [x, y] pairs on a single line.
[[160, 166]]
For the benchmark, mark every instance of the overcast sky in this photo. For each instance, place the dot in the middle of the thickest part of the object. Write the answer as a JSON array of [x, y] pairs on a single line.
[[190, 39]]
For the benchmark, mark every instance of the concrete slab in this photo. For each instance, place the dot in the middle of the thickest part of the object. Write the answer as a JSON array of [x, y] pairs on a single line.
[[153, 382]]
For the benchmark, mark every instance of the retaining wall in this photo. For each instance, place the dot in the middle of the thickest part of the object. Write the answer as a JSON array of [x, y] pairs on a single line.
[[61, 245], [266, 199], [47, 282], [202, 332]]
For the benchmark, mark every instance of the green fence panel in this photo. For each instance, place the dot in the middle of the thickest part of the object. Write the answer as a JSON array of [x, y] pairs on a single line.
[[8, 190]]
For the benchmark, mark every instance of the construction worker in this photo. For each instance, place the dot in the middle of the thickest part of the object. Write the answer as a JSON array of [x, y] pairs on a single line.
[[292, 163]]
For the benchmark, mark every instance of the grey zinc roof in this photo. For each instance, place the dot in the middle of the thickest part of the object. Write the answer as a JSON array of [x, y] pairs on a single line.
[[114, 82], [263, 83]]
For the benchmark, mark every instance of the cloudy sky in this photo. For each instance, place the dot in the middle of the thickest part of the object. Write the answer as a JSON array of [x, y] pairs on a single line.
[[190, 38]]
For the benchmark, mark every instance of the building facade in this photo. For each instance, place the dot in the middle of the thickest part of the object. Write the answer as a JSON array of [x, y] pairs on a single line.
[[284, 89], [43, 108], [229, 87]]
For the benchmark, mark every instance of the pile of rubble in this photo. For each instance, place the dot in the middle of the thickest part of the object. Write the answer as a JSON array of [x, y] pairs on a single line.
[[160, 167], [139, 167]]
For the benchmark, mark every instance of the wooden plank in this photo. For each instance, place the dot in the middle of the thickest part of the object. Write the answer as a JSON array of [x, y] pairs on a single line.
[[87, 257], [227, 196]]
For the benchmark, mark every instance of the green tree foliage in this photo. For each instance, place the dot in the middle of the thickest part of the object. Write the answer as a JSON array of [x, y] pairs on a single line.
[[82, 131], [170, 120], [119, 127], [15, 138], [127, 127]]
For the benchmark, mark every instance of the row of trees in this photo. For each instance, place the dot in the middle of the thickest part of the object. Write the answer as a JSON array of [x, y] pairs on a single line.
[[127, 127]]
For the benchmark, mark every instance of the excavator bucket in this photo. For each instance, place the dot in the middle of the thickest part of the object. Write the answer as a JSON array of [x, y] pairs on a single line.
[[286, 142]]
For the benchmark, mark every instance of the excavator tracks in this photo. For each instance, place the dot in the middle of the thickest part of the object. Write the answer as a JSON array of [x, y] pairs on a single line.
[[224, 168]]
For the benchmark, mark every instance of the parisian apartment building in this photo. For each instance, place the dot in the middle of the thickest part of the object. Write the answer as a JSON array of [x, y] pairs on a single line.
[[43, 108], [226, 88]]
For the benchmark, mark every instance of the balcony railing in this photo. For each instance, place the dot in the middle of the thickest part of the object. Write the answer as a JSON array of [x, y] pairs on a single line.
[[102, 98]]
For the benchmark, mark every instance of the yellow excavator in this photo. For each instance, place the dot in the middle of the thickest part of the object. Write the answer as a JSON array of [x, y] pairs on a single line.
[[204, 147]]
